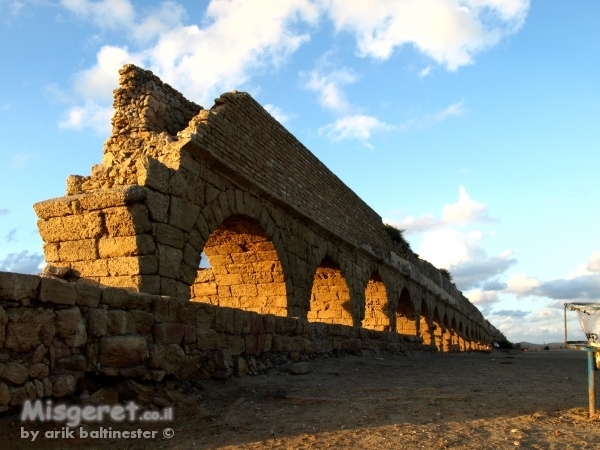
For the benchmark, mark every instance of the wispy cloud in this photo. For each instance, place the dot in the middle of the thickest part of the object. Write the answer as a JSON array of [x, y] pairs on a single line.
[[358, 127], [4, 211], [465, 210], [20, 160], [425, 72], [239, 39], [329, 84], [23, 262], [455, 109], [10, 236], [449, 35], [278, 113]]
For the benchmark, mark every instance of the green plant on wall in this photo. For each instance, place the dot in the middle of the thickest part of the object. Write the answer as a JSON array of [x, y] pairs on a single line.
[[397, 235]]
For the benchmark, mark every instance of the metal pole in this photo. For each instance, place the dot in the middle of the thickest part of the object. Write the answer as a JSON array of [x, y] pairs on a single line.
[[591, 382]]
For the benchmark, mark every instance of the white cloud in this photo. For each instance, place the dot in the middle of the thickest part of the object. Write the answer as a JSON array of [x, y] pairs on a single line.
[[481, 297], [520, 284], [593, 264], [328, 85], [91, 115], [455, 109], [510, 313], [465, 210], [354, 127], [447, 32], [23, 262], [120, 15], [10, 236], [425, 72], [20, 160], [414, 225], [239, 38], [580, 284], [277, 113]]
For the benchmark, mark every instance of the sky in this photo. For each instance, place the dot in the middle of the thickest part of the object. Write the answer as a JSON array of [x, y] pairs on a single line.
[[471, 124]]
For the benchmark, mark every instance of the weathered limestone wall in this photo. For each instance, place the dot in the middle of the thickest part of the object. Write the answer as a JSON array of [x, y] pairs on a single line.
[[177, 180], [53, 333]]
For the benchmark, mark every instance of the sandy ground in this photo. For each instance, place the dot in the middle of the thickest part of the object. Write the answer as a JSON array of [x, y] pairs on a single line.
[[535, 400]]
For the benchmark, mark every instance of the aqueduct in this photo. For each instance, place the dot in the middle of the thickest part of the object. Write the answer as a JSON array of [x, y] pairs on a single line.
[[282, 234], [207, 239]]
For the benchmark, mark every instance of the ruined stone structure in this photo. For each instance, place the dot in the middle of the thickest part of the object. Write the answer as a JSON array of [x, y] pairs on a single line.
[[298, 263]]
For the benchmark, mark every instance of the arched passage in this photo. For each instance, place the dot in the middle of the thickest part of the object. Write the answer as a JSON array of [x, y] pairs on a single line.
[[330, 295], [439, 330], [425, 327], [245, 271], [376, 305], [406, 320]]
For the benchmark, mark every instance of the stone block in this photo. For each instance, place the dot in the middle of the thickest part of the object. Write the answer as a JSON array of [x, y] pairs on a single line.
[[57, 291], [83, 250], [169, 235], [168, 333], [127, 220], [133, 265], [71, 228], [97, 268], [57, 207], [158, 205], [63, 385], [224, 320], [207, 339], [120, 322], [182, 214], [38, 370], [51, 252], [70, 325], [165, 309], [15, 373], [123, 351], [114, 297], [114, 247], [153, 174], [18, 396], [87, 295], [27, 327], [17, 287], [169, 261], [143, 321], [97, 322], [107, 198], [4, 394]]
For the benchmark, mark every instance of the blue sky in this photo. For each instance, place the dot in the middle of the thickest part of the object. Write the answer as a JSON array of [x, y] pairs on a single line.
[[472, 124]]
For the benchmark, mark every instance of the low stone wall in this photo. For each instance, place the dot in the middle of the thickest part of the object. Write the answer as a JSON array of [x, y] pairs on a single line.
[[53, 332]]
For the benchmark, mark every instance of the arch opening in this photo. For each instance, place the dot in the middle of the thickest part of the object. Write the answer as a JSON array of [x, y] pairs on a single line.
[[330, 295], [426, 328], [376, 305], [438, 333], [243, 270], [406, 319]]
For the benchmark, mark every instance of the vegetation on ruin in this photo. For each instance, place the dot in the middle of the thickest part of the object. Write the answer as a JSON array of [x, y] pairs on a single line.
[[397, 235], [446, 274]]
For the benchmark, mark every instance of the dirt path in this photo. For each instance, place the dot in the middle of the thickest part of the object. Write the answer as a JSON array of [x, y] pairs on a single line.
[[535, 400]]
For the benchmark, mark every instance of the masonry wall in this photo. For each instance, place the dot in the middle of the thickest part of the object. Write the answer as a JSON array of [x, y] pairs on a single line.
[[53, 333]]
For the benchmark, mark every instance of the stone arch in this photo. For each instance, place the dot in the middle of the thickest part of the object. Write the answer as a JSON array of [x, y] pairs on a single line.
[[425, 326], [376, 305], [438, 328], [406, 317], [330, 299], [246, 268], [453, 335]]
